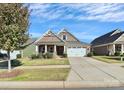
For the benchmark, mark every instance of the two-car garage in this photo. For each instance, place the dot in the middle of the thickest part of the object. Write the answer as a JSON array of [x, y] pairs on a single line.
[[77, 49], [76, 52]]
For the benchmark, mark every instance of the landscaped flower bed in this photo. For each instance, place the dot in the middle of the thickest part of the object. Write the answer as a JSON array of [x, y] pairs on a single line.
[[13, 73]]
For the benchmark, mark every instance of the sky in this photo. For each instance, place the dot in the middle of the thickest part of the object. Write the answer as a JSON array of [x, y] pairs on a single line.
[[85, 21]]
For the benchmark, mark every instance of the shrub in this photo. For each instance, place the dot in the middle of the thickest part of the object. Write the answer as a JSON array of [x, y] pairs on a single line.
[[34, 56], [44, 55], [90, 54], [49, 55], [117, 53], [65, 55], [16, 63], [18, 56], [40, 55]]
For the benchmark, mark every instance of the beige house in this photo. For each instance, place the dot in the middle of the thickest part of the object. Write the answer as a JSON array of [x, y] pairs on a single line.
[[60, 43], [109, 43]]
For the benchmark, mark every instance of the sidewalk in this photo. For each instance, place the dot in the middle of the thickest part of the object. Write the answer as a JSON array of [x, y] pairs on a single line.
[[56, 84]]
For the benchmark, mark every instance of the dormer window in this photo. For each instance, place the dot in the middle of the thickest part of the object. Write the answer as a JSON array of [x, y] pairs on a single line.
[[64, 37]]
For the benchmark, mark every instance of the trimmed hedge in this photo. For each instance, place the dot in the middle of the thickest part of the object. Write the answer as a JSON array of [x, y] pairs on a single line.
[[41, 55], [117, 53], [65, 55], [18, 56], [90, 54]]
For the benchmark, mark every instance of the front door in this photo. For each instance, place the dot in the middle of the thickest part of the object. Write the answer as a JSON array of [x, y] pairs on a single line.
[[60, 50]]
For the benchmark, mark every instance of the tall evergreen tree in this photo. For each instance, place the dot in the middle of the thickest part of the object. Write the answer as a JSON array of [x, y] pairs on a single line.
[[14, 24]]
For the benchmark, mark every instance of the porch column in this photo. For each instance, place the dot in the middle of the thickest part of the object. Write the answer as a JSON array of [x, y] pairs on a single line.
[[37, 48], [113, 49], [55, 49], [122, 48], [64, 49], [45, 48]]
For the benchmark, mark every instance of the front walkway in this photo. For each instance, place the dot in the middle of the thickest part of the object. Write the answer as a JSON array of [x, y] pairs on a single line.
[[91, 70]]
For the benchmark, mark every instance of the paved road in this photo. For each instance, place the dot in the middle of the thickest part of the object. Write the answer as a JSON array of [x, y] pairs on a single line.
[[88, 69]]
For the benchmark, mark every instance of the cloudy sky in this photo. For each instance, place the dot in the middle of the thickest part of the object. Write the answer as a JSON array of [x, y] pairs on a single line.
[[85, 21]]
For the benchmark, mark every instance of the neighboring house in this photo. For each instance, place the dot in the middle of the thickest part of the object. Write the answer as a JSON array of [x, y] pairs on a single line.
[[61, 43], [26, 52], [30, 49], [109, 43]]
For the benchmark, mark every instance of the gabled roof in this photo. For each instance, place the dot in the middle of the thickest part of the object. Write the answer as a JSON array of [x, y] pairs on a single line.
[[48, 37], [65, 30], [29, 42], [107, 38]]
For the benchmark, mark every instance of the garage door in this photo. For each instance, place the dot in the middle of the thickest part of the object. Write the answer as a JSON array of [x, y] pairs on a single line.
[[76, 52]]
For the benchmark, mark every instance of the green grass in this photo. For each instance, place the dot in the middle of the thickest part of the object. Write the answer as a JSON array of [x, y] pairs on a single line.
[[38, 62], [109, 59], [35, 62], [51, 74]]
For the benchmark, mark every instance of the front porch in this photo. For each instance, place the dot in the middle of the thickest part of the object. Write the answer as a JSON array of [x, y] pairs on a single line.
[[56, 49], [112, 49]]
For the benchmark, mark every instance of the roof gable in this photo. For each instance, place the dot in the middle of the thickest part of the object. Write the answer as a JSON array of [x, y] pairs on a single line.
[[48, 37], [107, 38], [70, 37]]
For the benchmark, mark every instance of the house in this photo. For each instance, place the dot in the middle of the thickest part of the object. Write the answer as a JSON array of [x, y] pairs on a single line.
[[109, 43], [25, 52], [30, 49], [62, 43]]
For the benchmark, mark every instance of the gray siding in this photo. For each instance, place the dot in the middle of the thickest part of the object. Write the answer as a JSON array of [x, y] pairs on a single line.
[[100, 50]]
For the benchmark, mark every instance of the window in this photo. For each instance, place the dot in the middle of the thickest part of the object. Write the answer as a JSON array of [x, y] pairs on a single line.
[[50, 49], [64, 37]]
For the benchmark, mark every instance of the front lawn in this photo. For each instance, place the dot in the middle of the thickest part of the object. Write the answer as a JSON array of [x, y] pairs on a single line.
[[109, 59], [38, 62], [51, 74]]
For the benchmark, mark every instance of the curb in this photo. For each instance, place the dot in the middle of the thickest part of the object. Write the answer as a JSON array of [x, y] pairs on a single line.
[[92, 84], [57, 84]]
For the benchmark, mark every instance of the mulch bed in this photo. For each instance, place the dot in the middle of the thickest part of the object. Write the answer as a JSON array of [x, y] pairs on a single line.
[[13, 73]]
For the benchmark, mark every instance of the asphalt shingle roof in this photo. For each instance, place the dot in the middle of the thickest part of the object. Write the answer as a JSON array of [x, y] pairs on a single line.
[[49, 37], [107, 38]]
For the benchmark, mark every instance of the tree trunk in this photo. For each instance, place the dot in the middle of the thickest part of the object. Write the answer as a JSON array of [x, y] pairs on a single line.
[[121, 58], [9, 61]]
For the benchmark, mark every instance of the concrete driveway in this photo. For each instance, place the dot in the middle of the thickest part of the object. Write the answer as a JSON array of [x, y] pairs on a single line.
[[91, 70]]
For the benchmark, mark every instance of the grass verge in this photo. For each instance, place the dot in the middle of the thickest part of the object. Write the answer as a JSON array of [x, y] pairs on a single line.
[[108, 59], [51, 74]]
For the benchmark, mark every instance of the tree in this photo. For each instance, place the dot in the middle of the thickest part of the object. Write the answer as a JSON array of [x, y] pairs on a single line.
[[14, 24]]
